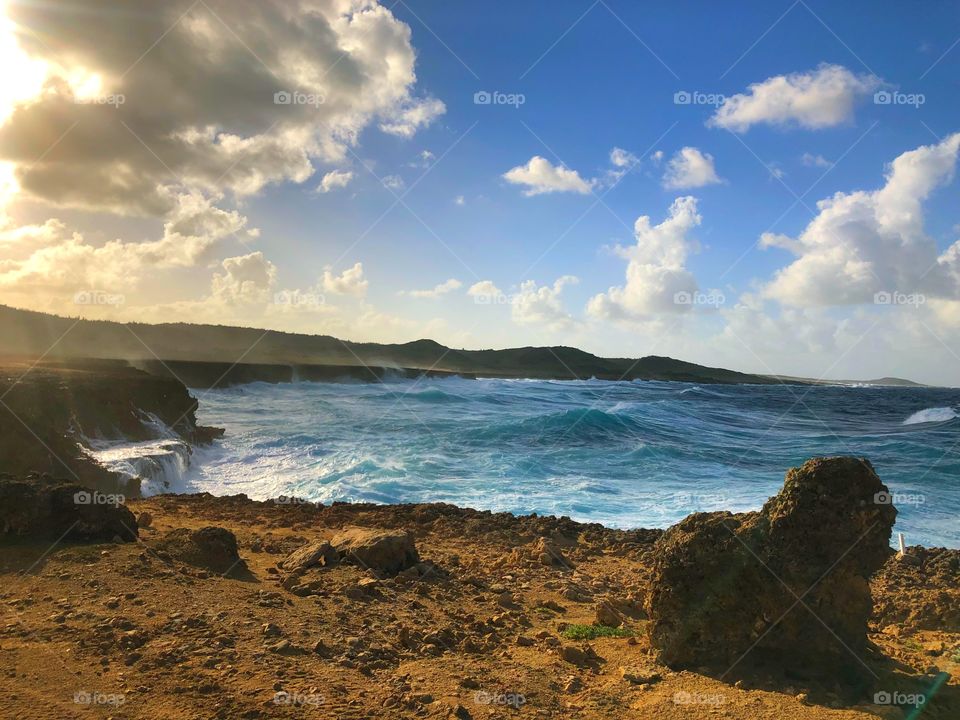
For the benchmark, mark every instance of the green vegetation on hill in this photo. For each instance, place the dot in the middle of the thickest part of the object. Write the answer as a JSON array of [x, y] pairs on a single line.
[[28, 333]]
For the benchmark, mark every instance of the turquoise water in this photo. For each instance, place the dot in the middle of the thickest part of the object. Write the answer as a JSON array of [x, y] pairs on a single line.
[[625, 454]]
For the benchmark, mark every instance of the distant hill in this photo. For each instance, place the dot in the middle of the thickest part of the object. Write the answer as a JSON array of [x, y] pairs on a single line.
[[28, 333]]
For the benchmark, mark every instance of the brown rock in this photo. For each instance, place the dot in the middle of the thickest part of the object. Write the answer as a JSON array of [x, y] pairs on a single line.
[[317, 553], [214, 548], [606, 615], [718, 582], [573, 654], [377, 550]]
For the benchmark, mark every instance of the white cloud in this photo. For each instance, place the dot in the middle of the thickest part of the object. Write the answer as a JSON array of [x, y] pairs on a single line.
[[690, 168], [821, 98], [413, 116], [334, 180], [51, 259], [656, 268], [862, 243], [623, 158], [459, 200], [350, 282], [246, 279], [811, 160], [542, 305], [436, 291], [540, 177], [484, 291], [194, 129]]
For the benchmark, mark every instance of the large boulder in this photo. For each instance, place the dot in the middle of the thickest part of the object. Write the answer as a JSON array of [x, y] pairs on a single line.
[[45, 507], [214, 548], [786, 586], [307, 556], [385, 551]]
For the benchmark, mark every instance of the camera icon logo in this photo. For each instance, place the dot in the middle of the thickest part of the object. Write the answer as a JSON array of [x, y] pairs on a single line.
[[882, 698], [882, 498], [82, 497], [482, 97], [682, 298], [282, 97], [682, 97], [882, 97]]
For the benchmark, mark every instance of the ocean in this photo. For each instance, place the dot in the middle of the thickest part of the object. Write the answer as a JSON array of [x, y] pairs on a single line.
[[624, 454]]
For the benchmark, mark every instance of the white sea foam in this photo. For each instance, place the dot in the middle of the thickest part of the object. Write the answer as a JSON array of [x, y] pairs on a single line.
[[931, 415]]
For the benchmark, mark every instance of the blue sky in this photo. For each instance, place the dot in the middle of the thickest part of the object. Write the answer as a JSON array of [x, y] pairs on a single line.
[[791, 116]]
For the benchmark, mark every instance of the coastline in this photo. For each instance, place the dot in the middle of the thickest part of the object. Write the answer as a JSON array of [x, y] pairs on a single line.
[[194, 597]]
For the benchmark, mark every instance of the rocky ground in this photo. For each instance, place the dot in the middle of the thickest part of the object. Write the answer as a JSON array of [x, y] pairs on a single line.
[[286, 609]]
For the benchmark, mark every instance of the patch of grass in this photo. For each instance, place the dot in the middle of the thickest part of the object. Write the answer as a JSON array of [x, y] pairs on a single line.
[[591, 632]]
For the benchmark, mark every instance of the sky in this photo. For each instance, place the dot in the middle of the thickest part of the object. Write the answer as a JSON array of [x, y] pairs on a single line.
[[766, 186]]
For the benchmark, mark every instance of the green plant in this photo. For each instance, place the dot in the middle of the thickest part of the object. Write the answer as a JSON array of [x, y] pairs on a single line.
[[591, 632]]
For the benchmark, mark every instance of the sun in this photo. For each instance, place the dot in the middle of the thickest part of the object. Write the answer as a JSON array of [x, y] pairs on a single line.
[[23, 76]]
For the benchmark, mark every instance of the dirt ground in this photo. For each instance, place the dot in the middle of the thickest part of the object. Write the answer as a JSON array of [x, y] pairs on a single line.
[[486, 628]]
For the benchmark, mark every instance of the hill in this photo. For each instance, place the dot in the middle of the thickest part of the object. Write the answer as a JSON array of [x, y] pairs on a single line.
[[250, 353]]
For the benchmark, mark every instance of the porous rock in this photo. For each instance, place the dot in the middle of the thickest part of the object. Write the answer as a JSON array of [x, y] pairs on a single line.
[[789, 584]]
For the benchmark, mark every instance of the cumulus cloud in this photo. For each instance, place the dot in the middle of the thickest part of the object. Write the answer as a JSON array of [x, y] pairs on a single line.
[[867, 242], [820, 98], [690, 168], [436, 291], [50, 258], [334, 180], [542, 305], [237, 94], [246, 279], [540, 176], [484, 291], [656, 268], [623, 158], [350, 282]]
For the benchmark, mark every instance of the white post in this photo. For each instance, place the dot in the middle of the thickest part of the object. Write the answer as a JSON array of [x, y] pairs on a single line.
[[903, 548]]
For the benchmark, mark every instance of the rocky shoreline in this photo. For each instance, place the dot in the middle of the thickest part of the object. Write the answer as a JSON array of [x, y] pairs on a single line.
[[189, 606], [50, 412]]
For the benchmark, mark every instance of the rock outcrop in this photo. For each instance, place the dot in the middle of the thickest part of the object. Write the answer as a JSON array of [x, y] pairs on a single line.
[[378, 550], [303, 558], [788, 585], [210, 547], [43, 506], [50, 410]]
